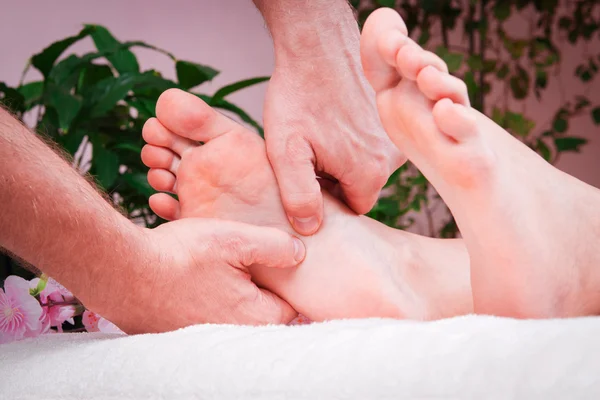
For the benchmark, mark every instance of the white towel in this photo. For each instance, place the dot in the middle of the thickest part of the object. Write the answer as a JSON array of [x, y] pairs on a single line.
[[461, 358]]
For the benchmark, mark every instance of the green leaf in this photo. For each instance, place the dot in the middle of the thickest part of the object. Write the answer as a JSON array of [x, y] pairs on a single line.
[[72, 140], [518, 124], [234, 87], [596, 115], [387, 3], [66, 104], [586, 76], [225, 105], [515, 47], [146, 107], [123, 60], [128, 146], [502, 10], [582, 102], [151, 84], [105, 164], [424, 37], [139, 183], [393, 178], [190, 74], [44, 60], [560, 125], [541, 79], [105, 94], [472, 87], [569, 143], [489, 65], [65, 72], [543, 149], [475, 63], [92, 74], [498, 116], [32, 93], [564, 22], [12, 98], [453, 60], [519, 83], [503, 71], [39, 287]]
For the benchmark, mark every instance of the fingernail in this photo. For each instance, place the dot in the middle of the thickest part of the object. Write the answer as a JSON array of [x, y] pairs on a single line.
[[306, 226], [299, 250]]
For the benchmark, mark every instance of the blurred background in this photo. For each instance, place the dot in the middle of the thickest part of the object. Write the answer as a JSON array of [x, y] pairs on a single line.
[[88, 74]]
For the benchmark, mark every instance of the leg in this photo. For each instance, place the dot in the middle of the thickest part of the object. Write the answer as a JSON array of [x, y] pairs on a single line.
[[531, 230], [355, 267]]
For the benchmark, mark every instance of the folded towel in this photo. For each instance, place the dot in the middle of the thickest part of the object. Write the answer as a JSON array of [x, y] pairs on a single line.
[[461, 358]]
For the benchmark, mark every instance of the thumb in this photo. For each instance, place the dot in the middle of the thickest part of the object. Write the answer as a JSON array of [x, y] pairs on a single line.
[[271, 309], [300, 191], [245, 245]]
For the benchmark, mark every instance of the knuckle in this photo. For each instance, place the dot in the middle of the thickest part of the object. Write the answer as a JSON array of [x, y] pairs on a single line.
[[293, 148], [296, 202]]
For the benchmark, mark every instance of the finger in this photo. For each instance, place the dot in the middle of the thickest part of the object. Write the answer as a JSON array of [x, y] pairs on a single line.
[[187, 115], [268, 308], [244, 245], [362, 192], [300, 191], [164, 206]]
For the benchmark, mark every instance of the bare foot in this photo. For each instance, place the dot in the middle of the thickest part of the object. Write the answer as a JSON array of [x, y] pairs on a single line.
[[530, 229], [354, 268]]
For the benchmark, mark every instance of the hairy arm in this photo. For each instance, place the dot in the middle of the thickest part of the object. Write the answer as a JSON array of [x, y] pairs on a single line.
[[305, 29], [54, 219], [320, 115]]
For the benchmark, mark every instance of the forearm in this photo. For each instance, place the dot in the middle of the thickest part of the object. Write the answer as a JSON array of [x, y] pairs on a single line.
[[54, 219], [303, 30]]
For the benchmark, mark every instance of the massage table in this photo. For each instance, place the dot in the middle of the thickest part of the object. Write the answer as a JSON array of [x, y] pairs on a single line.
[[470, 357]]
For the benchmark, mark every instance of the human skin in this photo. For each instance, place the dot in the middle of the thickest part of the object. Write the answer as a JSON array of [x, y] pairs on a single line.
[[179, 274], [320, 115], [355, 267], [531, 230]]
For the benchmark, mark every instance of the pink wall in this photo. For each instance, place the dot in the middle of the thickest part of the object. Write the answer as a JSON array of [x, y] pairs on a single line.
[[228, 35]]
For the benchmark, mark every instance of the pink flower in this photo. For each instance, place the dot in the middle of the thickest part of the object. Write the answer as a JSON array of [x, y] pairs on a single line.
[[95, 323], [57, 314], [20, 313]]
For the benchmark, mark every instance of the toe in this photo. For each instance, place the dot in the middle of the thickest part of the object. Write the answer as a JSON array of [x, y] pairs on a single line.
[[160, 157], [162, 180], [164, 206], [437, 85], [455, 120], [155, 133], [383, 33], [411, 60], [188, 116]]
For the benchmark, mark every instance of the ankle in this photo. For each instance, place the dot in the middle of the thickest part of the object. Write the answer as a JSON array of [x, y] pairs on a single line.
[[437, 271]]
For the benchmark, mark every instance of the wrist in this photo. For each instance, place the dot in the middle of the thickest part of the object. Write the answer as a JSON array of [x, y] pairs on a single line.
[[114, 283], [305, 33]]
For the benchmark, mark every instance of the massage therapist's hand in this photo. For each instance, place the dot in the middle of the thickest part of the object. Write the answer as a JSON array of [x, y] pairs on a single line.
[[320, 115], [197, 272]]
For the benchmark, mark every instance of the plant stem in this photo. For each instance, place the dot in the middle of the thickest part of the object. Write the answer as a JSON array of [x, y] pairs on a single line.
[[25, 70]]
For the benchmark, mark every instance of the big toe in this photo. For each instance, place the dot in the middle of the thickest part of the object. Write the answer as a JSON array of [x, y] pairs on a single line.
[[189, 116], [383, 34]]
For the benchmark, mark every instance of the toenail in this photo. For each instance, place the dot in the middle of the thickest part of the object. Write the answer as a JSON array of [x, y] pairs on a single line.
[[306, 225]]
